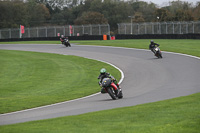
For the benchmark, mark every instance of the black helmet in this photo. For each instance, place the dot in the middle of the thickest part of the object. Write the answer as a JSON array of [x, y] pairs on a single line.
[[151, 41]]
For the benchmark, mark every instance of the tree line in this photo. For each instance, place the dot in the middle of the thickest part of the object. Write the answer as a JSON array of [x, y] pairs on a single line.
[[31, 13]]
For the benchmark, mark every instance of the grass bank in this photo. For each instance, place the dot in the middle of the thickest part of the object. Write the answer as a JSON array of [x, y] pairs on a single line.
[[179, 115], [31, 79]]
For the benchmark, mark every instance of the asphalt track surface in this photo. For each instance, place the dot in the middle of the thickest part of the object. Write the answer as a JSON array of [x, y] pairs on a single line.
[[146, 79]]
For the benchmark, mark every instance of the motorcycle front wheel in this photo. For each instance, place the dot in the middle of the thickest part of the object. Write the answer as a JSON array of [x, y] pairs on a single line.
[[160, 55]]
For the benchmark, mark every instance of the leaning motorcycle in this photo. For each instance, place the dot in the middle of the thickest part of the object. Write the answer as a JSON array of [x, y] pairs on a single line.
[[110, 87], [66, 42], [158, 52]]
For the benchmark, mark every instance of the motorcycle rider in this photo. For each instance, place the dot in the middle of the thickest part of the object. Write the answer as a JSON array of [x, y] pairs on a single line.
[[152, 46], [62, 38], [104, 74]]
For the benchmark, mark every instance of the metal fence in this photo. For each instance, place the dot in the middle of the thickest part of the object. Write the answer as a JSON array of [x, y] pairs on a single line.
[[160, 28], [54, 31]]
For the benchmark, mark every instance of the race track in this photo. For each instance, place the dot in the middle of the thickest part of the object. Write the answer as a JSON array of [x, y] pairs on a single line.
[[146, 79]]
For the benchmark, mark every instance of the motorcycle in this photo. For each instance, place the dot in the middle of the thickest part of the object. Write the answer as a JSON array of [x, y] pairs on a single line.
[[110, 87], [66, 42], [158, 52]]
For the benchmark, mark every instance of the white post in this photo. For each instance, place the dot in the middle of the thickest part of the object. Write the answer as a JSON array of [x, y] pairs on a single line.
[[69, 30], [20, 34], [90, 29], [10, 33], [193, 27], [131, 23], [29, 32], [83, 30], [46, 31], [64, 30], [118, 28], [152, 28], [99, 29], [125, 28], [109, 29]]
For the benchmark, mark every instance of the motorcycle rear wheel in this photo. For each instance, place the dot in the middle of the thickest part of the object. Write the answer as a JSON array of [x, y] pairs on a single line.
[[120, 95]]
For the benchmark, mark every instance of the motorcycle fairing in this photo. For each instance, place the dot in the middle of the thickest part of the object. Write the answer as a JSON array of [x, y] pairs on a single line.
[[114, 86]]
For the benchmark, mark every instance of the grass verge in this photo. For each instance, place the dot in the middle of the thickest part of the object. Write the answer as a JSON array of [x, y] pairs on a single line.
[[30, 79], [179, 115]]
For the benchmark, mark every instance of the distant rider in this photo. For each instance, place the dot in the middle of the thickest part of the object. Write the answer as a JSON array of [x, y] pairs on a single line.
[[104, 74], [152, 46], [62, 38]]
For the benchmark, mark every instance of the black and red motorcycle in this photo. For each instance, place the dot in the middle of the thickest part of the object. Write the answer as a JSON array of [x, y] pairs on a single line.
[[110, 87]]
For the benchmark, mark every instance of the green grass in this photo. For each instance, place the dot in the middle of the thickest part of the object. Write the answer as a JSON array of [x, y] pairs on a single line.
[[179, 115], [30, 79]]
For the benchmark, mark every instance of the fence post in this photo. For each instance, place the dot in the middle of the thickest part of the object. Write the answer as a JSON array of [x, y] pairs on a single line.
[[125, 29], [54, 31], [37, 31], [28, 29], [186, 28], [73, 29], [118, 28], [145, 27], [64, 30], [99, 29], [83, 30], [108, 29], [10, 33], [152, 28], [90, 29], [192, 26], [160, 28], [46, 31]]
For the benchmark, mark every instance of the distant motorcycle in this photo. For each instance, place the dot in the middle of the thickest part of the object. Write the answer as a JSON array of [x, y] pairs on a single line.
[[111, 89], [66, 42], [157, 52]]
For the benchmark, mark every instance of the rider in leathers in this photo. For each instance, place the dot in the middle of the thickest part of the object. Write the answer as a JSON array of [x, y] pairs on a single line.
[[62, 39], [152, 46], [104, 74]]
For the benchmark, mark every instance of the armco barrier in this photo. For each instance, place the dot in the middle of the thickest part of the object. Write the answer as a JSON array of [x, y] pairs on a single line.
[[84, 37]]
